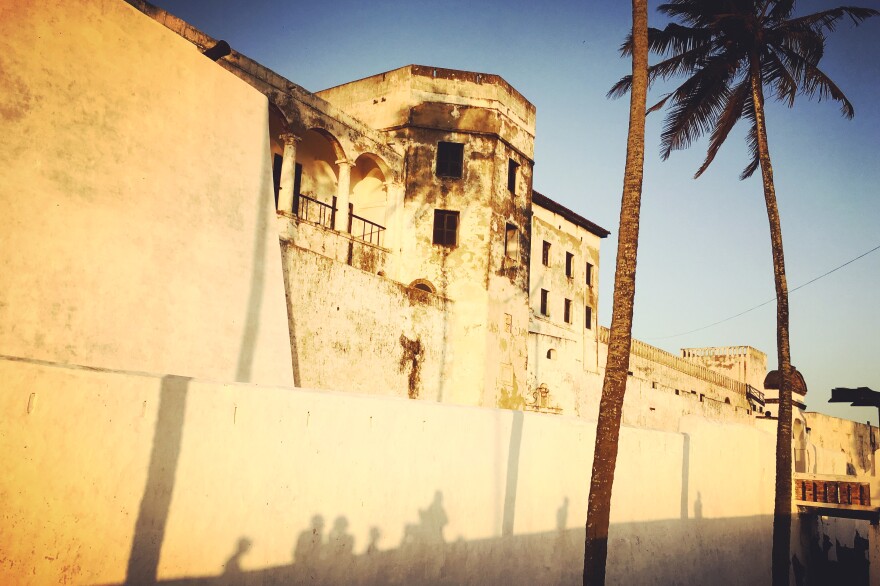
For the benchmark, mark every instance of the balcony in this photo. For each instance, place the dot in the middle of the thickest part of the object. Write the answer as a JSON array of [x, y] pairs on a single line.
[[834, 496], [311, 226]]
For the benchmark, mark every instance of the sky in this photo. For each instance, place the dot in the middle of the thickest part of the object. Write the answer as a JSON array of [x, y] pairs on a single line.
[[704, 249]]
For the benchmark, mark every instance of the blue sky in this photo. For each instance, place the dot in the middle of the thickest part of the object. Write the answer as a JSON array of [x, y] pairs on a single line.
[[704, 252]]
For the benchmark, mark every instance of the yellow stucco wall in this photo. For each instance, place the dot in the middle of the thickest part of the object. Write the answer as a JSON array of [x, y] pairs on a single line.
[[110, 473], [136, 204]]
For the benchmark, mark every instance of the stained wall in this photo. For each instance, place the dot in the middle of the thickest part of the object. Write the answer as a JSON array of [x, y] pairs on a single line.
[[353, 330], [136, 211]]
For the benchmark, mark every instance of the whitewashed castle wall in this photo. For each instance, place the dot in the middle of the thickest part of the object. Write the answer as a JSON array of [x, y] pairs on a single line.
[[355, 331]]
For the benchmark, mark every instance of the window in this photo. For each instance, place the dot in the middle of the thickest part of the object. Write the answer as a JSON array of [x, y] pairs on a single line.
[[569, 257], [545, 254], [588, 317], [589, 275], [276, 176], [449, 159], [512, 167], [511, 242], [446, 227], [566, 312], [544, 298]]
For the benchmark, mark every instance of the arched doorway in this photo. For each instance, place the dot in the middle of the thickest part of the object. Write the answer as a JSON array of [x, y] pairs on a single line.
[[369, 198]]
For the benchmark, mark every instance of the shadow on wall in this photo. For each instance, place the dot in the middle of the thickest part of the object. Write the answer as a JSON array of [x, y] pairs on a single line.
[[694, 551], [149, 529], [828, 564], [258, 277]]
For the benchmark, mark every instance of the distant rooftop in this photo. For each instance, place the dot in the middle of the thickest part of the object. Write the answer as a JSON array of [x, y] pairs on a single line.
[[573, 217]]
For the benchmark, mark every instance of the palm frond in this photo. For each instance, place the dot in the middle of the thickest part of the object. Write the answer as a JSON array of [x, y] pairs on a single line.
[[828, 19], [748, 113], [776, 73], [781, 10], [696, 105], [684, 64], [730, 115], [812, 81]]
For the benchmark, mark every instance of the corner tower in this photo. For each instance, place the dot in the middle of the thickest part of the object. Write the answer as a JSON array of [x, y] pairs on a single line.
[[468, 140]]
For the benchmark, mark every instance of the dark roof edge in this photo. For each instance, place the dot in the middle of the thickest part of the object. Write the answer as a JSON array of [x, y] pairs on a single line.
[[575, 218]]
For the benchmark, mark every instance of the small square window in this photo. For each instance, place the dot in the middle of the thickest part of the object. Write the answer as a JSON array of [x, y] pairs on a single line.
[[588, 317], [566, 313], [545, 254], [512, 167], [545, 294], [569, 270], [446, 227], [511, 242], [589, 275], [449, 159]]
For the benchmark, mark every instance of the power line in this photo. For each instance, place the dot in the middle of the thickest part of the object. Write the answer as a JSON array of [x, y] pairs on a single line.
[[768, 301]]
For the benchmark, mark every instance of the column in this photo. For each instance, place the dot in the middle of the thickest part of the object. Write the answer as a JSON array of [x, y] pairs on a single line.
[[288, 172], [391, 221], [342, 195], [394, 227]]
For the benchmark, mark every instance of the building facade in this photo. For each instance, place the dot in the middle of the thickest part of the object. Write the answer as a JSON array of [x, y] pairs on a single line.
[[420, 360]]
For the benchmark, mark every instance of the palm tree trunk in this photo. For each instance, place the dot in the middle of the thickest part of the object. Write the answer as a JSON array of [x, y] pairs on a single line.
[[617, 365], [782, 505]]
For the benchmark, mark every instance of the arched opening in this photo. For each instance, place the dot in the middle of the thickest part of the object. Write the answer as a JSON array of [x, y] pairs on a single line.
[[316, 157], [799, 437], [551, 354], [423, 285], [369, 198]]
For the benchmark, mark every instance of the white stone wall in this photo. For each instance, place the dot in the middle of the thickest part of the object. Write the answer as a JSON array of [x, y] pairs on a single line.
[[136, 205], [563, 356], [356, 331], [170, 475]]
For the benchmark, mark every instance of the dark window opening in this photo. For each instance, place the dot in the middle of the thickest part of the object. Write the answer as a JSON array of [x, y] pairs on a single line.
[[566, 313], [277, 160], [545, 294], [511, 242], [297, 184], [589, 278], [569, 270], [512, 167], [588, 317], [449, 159], [297, 178], [545, 254], [446, 227]]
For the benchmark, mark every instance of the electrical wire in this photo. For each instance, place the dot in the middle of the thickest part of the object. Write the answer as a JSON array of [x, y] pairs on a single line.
[[852, 260]]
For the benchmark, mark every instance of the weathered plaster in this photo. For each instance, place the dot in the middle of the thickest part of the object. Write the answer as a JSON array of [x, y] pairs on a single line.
[[136, 220]]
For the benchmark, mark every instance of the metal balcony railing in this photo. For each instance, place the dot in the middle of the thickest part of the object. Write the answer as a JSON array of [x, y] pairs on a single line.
[[318, 212], [364, 229]]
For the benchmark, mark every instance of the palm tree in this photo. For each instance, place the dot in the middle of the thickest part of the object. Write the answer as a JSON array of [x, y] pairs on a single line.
[[731, 51], [617, 365]]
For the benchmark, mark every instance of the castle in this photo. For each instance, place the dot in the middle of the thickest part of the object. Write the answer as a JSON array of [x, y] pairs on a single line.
[[153, 328]]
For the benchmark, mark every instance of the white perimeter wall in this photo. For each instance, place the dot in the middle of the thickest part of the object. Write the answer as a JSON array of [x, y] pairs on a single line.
[[136, 207], [106, 473]]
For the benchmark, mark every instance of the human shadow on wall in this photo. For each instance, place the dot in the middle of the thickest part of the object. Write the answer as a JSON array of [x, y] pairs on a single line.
[[661, 552], [149, 529]]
